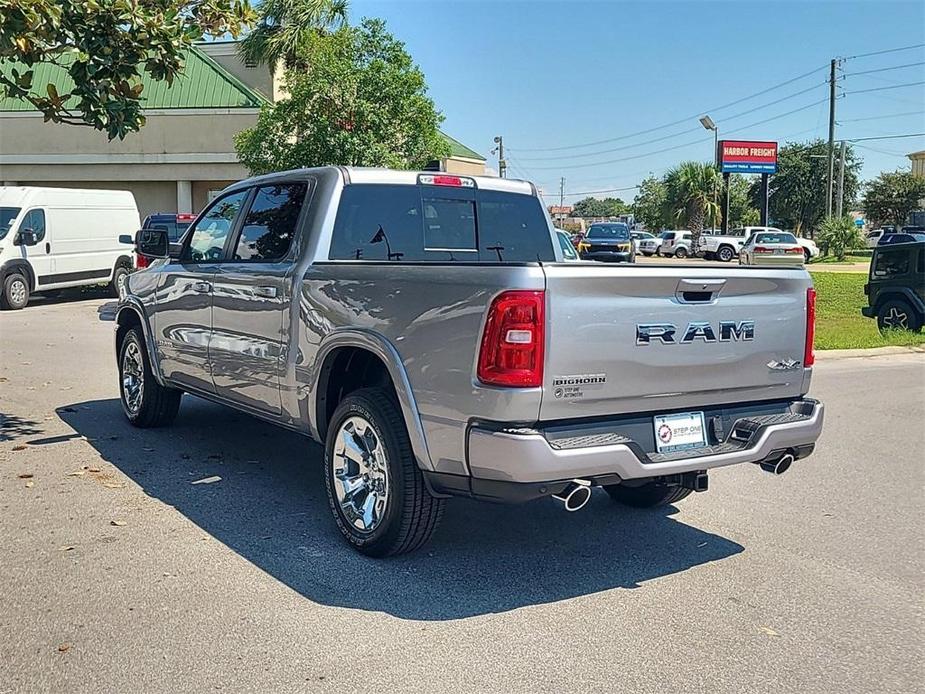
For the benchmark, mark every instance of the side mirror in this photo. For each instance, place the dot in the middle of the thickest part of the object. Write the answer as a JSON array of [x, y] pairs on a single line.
[[25, 237], [126, 239], [152, 243]]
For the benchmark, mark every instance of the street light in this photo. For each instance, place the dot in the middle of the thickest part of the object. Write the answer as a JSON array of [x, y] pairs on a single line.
[[708, 123]]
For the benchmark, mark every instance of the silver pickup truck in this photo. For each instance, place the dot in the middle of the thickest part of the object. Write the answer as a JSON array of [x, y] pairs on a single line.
[[423, 327]]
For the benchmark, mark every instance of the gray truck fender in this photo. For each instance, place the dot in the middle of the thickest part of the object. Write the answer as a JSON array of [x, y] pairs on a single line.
[[382, 348], [132, 304]]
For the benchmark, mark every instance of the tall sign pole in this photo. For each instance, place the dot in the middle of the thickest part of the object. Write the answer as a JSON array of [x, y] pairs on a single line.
[[747, 157]]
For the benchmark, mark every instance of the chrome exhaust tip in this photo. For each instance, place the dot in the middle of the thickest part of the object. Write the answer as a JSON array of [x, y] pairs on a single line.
[[575, 495], [779, 466]]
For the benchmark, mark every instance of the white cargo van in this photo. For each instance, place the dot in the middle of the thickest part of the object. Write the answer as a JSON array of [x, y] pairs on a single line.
[[53, 238]]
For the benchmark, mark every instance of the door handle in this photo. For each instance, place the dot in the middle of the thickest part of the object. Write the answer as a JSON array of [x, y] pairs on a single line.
[[47, 247], [202, 287], [266, 292]]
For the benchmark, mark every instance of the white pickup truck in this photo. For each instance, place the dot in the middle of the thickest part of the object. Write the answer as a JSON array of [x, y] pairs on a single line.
[[726, 246]]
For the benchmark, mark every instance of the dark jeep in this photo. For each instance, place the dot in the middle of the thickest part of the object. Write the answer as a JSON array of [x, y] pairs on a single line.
[[896, 288]]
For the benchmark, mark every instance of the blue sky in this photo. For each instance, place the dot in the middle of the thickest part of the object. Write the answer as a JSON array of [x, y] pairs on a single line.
[[557, 74]]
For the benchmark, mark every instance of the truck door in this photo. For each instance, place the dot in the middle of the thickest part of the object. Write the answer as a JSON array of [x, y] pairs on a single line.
[[252, 295], [183, 318], [40, 255]]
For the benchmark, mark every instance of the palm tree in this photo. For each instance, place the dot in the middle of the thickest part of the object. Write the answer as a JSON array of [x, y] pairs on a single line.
[[690, 187], [286, 26]]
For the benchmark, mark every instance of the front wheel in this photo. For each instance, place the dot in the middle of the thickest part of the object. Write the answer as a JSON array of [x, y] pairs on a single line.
[[375, 489], [648, 495], [896, 314], [681, 253], [15, 292], [145, 402], [725, 254]]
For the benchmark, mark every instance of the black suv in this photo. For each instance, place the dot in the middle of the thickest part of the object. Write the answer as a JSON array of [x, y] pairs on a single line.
[[896, 287]]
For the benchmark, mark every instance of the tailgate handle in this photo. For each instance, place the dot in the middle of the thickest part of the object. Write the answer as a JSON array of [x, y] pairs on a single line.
[[691, 291]]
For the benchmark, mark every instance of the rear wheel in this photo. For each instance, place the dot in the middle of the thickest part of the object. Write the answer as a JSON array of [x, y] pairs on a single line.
[[807, 255], [375, 489], [897, 314], [145, 402], [648, 495], [681, 252], [725, 254], [118, 277], [15, 293]]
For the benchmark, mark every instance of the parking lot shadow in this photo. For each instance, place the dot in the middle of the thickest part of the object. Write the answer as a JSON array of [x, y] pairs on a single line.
[[270, 507]]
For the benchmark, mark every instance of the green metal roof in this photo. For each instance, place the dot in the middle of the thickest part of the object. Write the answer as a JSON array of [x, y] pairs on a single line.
[[458, 149], [203, 83]]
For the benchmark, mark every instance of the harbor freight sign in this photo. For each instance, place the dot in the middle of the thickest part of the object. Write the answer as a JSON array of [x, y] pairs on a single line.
[[736, 156]]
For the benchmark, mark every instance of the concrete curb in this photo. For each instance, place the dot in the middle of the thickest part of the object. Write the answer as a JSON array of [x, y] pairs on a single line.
[[829, 354]]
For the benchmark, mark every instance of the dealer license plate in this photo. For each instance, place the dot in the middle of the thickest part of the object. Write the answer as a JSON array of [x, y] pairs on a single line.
[[678, 432]]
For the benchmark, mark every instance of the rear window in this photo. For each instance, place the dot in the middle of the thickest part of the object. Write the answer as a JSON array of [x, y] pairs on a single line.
[[7, 217], [618, 232], [668, 235], [775, 238], [174, 227], [437, 224]]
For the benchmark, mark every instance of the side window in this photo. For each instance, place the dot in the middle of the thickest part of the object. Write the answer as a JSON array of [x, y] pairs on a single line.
[[378, 222], [35, 220], [891, 263], [270, 223], [207, 240]]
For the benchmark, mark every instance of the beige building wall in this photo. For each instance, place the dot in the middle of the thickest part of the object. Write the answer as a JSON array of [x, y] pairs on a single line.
[[918, 163], [462, 166]]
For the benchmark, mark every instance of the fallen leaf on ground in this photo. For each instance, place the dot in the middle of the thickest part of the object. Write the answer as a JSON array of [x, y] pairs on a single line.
[[118, 523], [66, 548], [113, 485], [64, 647], [30, 483], [3, 379], [77, 473], [20, 447], [208, 480], [93, 469], [769, 631], [26, 475]]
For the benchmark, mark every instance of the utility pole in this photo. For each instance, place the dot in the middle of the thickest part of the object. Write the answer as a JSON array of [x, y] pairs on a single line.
[[830, 178], [502, 165], [840, 201], [562, 192]]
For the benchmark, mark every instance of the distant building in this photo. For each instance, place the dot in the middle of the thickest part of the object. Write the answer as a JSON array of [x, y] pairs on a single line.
[[918, 163], [560, 213], [182, 156]]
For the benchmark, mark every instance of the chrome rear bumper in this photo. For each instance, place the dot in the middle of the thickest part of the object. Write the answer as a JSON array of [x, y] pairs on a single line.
[[528, 456]]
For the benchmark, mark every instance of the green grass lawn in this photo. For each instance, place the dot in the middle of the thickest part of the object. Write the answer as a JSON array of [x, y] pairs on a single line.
[[839, 323], [832, 260]]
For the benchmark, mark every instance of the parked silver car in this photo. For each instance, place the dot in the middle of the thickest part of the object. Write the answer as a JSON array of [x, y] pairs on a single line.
[[771, 248], [676, 243]]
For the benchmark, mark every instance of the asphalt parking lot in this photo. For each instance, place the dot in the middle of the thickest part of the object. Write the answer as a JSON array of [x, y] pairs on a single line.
[[120, 574]]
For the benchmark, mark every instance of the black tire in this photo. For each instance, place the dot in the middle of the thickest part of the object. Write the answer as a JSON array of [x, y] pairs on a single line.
[[118, 275], [647, 255], [725, 254], [680, 252], [807, 256], [411, 514], [648, 495], [709, 256], [897, 313], [157, 406], [15, 292]]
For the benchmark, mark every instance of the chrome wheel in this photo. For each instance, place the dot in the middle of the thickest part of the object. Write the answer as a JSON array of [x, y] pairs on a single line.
[[361, 475], [133, 377], [18, 291], [896, 318]]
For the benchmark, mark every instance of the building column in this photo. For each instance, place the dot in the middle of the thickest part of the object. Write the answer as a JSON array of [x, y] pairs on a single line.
[[184, 197]]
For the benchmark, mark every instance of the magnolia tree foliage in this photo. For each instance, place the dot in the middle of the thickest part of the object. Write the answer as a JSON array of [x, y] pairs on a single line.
[[359, 101], [104, 46], [892, 197]]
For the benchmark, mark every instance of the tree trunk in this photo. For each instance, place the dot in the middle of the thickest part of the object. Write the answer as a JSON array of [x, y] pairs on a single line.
[[695, 226]]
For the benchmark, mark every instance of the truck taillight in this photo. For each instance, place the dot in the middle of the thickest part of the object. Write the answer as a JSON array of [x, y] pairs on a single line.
[[809, 356], [142, 261], [511, 352]]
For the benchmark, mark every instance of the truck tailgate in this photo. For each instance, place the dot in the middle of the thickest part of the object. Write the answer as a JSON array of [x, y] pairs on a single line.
[[715, 336]]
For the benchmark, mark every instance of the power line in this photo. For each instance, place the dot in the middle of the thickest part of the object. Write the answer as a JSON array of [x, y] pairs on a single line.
[[595, 192], [678, 134], [883, 52], [885, 137], [890, 115], [669, 125], [883, 69], [881, 89]]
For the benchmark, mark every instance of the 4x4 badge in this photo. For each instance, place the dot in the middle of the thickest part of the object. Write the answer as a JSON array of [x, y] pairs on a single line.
[[784, 365]]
